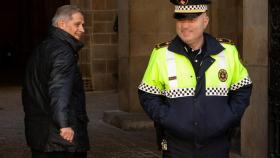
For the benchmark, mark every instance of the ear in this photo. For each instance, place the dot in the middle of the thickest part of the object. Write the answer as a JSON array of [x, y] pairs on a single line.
[[205, 20], [61, 24]]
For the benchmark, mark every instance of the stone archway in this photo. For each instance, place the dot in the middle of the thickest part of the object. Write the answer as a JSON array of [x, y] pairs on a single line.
[[25, 24]]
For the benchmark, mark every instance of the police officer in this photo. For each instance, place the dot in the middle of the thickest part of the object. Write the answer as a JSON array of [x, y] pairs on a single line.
[[195, 88]]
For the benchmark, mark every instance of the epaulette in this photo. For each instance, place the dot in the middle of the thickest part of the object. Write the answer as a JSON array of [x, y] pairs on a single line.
[[164, 44], [225, 40]]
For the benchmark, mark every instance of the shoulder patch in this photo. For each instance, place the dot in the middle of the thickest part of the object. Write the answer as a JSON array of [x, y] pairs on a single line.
[[161, 45], [225, 40]]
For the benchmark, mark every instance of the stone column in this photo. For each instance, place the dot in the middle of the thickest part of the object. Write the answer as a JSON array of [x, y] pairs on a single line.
[[254, 135], [142, 24]]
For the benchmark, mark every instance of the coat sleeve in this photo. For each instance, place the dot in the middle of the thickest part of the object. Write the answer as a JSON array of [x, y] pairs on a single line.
[[151, 88], [153, 105], [239, 100], [60, 86], [241, 88]]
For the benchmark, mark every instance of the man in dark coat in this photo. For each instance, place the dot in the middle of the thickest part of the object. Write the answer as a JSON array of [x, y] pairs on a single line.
[[53, 95]]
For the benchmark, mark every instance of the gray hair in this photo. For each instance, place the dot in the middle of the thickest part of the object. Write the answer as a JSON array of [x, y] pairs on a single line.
[[65, 12]]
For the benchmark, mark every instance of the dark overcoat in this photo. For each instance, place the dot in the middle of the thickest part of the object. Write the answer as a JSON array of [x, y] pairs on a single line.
[[53, 95]]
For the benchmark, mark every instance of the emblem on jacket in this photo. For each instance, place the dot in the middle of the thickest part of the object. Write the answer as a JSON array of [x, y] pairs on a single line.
[[222, 74]]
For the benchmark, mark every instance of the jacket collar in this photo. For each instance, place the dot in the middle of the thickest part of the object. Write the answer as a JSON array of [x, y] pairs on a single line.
[[56, 32], [211, 45]]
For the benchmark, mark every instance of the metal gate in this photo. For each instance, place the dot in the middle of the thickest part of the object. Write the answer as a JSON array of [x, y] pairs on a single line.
[[274, 78]]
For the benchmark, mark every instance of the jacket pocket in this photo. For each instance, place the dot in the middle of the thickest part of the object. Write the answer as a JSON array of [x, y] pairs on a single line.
[[178, 121], [231, 120], [221, 122]]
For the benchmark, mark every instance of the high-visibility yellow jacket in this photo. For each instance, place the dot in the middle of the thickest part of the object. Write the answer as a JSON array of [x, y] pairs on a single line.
[[191, 106]]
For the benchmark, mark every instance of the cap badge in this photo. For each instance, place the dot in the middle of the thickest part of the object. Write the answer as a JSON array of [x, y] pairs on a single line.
[[183, 2], [222, 74]]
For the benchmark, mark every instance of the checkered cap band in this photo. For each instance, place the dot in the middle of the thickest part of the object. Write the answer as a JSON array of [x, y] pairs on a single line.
[[244, 82], [182, 92], [190, 8], [150, 89], [216, 91]]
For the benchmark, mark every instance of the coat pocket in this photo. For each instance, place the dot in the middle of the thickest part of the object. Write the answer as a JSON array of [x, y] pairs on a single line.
[[36, 133]]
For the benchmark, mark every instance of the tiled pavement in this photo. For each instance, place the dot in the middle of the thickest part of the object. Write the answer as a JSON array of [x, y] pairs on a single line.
[[106, 141]]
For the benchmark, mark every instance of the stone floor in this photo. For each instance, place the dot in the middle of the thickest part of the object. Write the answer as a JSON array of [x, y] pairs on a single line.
[[106, 141]]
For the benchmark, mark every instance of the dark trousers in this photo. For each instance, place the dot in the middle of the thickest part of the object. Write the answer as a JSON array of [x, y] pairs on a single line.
[[60, 154], [178, 148]]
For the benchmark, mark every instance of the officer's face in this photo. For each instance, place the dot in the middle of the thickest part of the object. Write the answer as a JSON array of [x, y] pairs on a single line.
[[73, 26], [191, 31]]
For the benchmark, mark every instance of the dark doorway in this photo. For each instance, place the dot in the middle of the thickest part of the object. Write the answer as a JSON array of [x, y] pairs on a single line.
[[24, 25], [274, 79]]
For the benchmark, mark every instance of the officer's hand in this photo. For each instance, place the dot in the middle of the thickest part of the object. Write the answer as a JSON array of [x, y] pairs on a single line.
[[67, 133]]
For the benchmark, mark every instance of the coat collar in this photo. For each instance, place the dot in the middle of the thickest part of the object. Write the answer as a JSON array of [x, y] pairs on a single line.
[[75, 44], [211, 45]]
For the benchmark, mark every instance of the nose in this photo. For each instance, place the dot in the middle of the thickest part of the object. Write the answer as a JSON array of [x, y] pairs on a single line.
[[82, 29], [186, 24]]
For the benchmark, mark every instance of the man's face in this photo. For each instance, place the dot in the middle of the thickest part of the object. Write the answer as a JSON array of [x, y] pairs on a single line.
[[74, 26], [191, 31]]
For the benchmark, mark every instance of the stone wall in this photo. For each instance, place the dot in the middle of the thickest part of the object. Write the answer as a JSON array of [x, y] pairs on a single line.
[[99, 60]]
